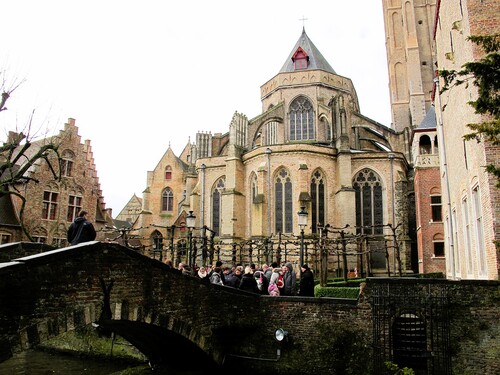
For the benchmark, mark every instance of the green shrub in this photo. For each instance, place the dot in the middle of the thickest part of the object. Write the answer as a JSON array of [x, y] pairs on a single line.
[[393, 369], [336, 292]]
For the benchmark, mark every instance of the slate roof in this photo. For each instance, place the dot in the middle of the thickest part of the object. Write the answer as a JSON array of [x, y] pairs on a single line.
[[429, 121], [316, 59]]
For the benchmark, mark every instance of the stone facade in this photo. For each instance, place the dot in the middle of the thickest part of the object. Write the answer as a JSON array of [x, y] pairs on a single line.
[[309, 147], [51, 205]]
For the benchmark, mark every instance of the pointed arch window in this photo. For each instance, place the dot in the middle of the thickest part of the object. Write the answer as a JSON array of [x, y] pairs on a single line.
[[317, 200], [168, 172], [283, 202], [301, 117], [217, 204], [167, 200], [157, 239], [369, 210]]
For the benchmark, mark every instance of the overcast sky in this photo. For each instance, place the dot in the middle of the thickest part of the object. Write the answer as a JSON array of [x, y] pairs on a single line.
[[140, 75]]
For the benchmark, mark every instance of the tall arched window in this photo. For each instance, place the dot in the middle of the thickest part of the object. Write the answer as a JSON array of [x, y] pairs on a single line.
[[301, 117], [283, 202], [317, 200], [217, 204], [167, 200], [369, 209]]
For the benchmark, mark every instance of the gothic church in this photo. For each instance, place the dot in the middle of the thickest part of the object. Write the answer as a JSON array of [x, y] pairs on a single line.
[[310, 147]]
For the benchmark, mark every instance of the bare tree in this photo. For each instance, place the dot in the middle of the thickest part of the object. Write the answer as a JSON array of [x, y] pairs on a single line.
[[18, 155]]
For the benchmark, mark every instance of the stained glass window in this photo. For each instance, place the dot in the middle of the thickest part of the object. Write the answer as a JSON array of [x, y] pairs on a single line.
[[167, 200], [301, 117], [283, 202], [217, 205], [317, 200], [369, 209]]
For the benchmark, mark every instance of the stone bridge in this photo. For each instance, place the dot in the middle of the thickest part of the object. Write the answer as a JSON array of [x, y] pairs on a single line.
[[173, 317]]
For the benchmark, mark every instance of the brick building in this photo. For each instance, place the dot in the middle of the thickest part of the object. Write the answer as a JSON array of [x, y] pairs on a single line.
[[471, 211], [52, 205], [424, 36], [428, 200]]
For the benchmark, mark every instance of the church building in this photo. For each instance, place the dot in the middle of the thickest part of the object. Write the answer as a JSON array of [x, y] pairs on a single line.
[[312, 148]]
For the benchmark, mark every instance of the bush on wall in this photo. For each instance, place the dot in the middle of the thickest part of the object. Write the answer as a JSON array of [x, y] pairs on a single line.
[[336, 292]]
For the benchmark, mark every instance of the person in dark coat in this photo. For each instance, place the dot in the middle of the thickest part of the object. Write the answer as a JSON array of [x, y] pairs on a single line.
[[81, 230], [233, 279], [306, 282], [290, 279], [248, 282]]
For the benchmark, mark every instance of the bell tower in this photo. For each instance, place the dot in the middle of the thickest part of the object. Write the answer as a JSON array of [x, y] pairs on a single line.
[[410, 58]]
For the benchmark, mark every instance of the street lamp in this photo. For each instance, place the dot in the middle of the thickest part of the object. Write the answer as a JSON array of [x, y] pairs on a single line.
[[302, 214], [190, 223]]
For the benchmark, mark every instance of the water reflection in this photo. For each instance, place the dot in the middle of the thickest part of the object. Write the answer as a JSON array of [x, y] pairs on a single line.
[[36, 362]]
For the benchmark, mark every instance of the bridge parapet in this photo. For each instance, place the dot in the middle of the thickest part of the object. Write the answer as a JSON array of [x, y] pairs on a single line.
[[166, 314]]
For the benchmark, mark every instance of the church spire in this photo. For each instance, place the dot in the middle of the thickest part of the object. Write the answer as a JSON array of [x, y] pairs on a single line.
[[305, 56]]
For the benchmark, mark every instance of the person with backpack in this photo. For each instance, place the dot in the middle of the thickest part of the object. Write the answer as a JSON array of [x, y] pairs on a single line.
[[81, 230], [216, 278]]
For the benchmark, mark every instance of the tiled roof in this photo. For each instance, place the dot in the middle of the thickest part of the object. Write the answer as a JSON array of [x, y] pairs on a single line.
[[316, 59]]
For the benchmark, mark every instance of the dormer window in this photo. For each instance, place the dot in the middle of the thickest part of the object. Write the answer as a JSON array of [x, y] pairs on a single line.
[[300, 59]]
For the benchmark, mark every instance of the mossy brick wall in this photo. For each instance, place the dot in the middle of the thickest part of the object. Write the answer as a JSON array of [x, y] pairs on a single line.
[[473, 310], [44, 295]]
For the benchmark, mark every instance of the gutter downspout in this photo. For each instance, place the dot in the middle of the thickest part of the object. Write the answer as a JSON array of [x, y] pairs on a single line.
[[202, 201], [444, 176]]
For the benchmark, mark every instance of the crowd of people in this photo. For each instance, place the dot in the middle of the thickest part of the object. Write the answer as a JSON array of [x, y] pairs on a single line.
[[272, 280]]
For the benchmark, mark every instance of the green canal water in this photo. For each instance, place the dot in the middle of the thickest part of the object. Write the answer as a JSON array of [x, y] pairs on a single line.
[[35, 362]]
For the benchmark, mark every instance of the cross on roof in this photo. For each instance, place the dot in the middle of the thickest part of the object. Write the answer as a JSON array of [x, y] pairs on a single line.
[[303, 21]]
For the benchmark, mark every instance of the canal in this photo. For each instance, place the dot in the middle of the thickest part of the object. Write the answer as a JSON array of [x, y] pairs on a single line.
[[37, 362]]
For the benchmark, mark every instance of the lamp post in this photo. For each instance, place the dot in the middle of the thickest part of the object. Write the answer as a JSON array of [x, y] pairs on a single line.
[[302, 214], [190, 223]]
